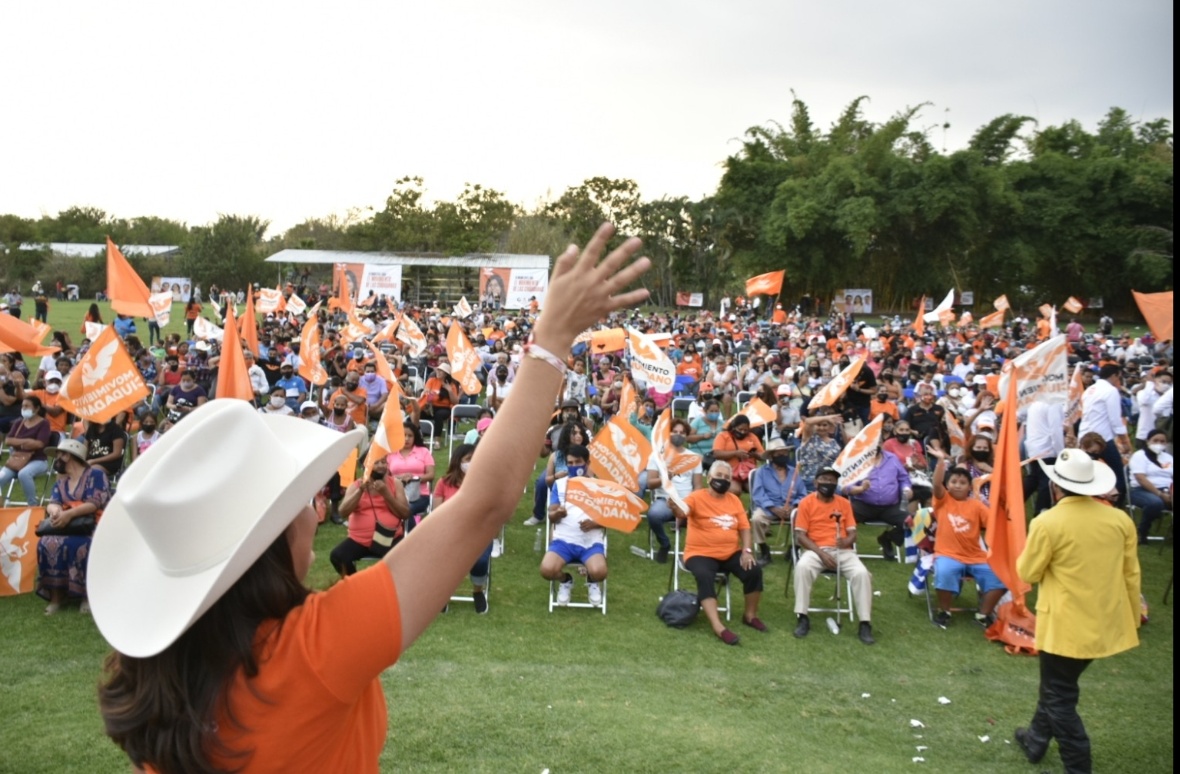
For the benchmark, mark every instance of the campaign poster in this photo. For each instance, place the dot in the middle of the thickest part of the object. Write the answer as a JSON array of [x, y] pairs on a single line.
[[504, 288], [380, 280], [180, 287], [855, 300]]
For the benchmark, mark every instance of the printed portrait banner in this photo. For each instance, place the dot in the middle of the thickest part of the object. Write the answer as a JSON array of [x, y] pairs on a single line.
[[831, 392], [1042, 374], [380, 280], [506, 288], [856, 458], [162, 306], [855, 300], [465, 363], [104, 382], [619, 452], [18, 549], [180, 287], [607, 503], [650, 363], [690, 299]]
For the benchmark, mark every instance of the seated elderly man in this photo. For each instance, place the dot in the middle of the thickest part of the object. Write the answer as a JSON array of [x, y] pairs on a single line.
[[826, 532], [882, 496], [776, 490]]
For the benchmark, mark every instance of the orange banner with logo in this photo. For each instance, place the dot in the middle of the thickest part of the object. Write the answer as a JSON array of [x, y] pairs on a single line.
[[608, 504], [1157, 311], [920, 318], [1001, 304], [268, 300], [1072, 305], [833, 390], [768, 284], [310, 367], [295, 305], [955, 431], [347, 469], [18, 549], [390, 435], [127, 292], [1006, 525], [104, 382], [411, 335], [1042, 374], [18, 336], [993, 320], [1073, 405], [619, 452], [856, 459], [610, 340], [759, 413], [465, 363], [650, 363]]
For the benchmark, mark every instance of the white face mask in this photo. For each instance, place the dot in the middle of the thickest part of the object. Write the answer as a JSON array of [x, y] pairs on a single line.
[[463, 466], [277, 400], [27, 413], [1157, 448], [1162, 387], [53, 389]]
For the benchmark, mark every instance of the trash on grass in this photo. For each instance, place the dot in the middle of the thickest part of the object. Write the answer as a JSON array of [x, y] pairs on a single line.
[[919, 759], [943, 700], [865, 695], [985, 738], [917, 724]]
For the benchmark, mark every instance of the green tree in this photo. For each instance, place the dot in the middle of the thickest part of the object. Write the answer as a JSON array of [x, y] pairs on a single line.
[[227, 252]]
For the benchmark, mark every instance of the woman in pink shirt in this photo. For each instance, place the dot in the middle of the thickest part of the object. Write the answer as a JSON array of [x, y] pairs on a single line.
[[413, 466]]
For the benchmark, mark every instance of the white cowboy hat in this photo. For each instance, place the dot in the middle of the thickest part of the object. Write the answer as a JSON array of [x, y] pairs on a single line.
[[190, 518], [1076, 473]]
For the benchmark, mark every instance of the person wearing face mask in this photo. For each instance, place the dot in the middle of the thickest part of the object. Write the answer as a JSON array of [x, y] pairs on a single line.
[[448, 487], [818, 448], [379, 500], [738, 446], [880, 497], [978, 461], [355, 397], [723, 377], [719, 541], [375, 389], [50, 397], [775, 490], [187, 394], [825, 531], [1153, 388], [1152, 471], [696, 408], [145, 436], [881, 404], [276, 405], [26, 439], [293, 386], [684, 469], [575, 537], [498, 387]]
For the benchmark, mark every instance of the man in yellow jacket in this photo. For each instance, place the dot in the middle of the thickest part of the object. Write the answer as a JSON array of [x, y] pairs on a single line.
[[1084, 555]]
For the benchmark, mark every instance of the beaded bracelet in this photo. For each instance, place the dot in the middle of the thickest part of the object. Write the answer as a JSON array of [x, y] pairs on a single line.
[[537, 352]]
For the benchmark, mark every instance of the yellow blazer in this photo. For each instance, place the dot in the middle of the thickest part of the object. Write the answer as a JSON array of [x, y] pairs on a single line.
[[1085, 556]]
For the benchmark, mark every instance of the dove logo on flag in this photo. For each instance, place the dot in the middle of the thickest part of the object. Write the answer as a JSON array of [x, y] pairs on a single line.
[[95, 370], [105, 382], [18, 553]]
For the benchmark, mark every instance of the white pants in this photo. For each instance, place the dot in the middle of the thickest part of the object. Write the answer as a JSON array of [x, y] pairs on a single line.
[[851, 568]]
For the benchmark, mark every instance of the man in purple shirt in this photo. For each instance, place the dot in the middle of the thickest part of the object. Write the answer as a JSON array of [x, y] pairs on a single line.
[[881, 497], [376, 391]]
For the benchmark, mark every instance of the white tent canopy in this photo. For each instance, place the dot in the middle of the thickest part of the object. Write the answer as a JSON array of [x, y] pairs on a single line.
[[473, 261]]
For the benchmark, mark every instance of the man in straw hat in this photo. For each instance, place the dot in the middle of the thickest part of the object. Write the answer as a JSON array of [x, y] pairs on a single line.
[[224, 660], [1084, 555]]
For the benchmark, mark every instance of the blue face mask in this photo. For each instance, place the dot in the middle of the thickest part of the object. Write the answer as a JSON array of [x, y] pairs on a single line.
[[713, 416], [576, 470]]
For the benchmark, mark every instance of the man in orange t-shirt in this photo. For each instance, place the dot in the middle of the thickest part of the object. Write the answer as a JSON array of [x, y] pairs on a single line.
[[718, 542], [960, 519], [825, 531]]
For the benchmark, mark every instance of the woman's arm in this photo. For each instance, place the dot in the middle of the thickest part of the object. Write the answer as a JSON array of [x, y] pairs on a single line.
[[432, 561], [551, 470]]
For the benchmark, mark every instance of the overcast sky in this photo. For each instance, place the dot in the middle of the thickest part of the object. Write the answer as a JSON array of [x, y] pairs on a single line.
[[290, 110]]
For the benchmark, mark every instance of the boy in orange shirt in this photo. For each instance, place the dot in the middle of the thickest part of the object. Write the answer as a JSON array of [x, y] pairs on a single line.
[[957, 550]]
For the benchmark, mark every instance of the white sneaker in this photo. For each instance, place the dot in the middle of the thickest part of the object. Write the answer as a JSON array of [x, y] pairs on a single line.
[[531, 521], [595, 593], [497, 549], [564, 591]]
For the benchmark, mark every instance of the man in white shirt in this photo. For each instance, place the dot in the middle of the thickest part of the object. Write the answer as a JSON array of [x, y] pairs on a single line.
[[574, 536], [1102, 413], [1154, 388], [257, 376], [1044, 438]]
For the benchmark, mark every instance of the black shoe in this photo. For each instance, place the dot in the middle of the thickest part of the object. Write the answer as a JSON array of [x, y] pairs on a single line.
[[886, 548], [764, 557], [942, 619], [481, 602], [662, 554], [803, 628], [865, 633], [1031, 750]]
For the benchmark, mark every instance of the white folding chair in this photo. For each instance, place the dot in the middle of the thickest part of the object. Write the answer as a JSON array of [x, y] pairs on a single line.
[[1136, 513], [721, 581], [840, 607], [458, 414], [426, 427], [580, 570]]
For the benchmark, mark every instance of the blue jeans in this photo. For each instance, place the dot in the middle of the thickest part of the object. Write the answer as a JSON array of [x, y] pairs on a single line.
[[659, 514], [540, 498], [27, 477], [479, 570], [1151, 506]]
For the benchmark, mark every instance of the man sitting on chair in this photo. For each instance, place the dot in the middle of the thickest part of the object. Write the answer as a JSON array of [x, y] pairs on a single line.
[[881, 496], [826, 532], [776, 489], [575, 536]]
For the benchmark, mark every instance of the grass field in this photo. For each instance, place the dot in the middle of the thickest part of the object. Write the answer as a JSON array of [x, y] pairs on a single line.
[[575, 691]]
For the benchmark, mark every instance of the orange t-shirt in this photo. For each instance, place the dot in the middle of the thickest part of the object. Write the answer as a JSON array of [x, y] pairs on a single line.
[[959, 524], [814, 517], [316, 703], [358, 411], [714, 524], [888, 408], [56, 423]]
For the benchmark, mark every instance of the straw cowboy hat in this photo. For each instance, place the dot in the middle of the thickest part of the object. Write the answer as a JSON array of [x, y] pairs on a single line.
[[193, 515], [1076, 473]]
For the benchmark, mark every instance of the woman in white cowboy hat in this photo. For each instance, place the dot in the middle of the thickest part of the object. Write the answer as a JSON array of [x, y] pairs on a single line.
[[223, 658]]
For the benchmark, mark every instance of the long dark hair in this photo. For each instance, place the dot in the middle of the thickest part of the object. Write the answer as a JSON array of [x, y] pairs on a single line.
[[162, 710], [454, 474]]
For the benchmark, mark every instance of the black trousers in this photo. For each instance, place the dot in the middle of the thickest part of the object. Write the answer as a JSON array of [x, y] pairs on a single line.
[[705, 570], [893, 515], [1057, 712], [1111, 456], [348, 552]]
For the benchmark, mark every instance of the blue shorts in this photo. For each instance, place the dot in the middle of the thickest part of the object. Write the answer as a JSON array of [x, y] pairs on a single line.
[[571, 553], [948, 575]]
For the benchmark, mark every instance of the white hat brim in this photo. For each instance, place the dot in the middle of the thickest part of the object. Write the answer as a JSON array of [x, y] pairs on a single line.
[[138, 607], [1103, 482]]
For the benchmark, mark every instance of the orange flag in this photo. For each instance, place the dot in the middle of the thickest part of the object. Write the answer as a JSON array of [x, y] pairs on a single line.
[[353, 331], [1157, 311], [831, 392], [464, 362], [268, 300], [619, 452], [125, 289], [232, 379], [390, 435], [411, 335], [343, 298], [627, 396], [104, 382], [993, 320], [18, 336], [250, 323], [955, 431], [310, 367], [1072, 305], [1073, 406], [1001, 304], [856, 459], [1006, 528], [610, 340], [758, 412], [18, 549], [768, 284], [384, 371], [608, 504], [920, 319]]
